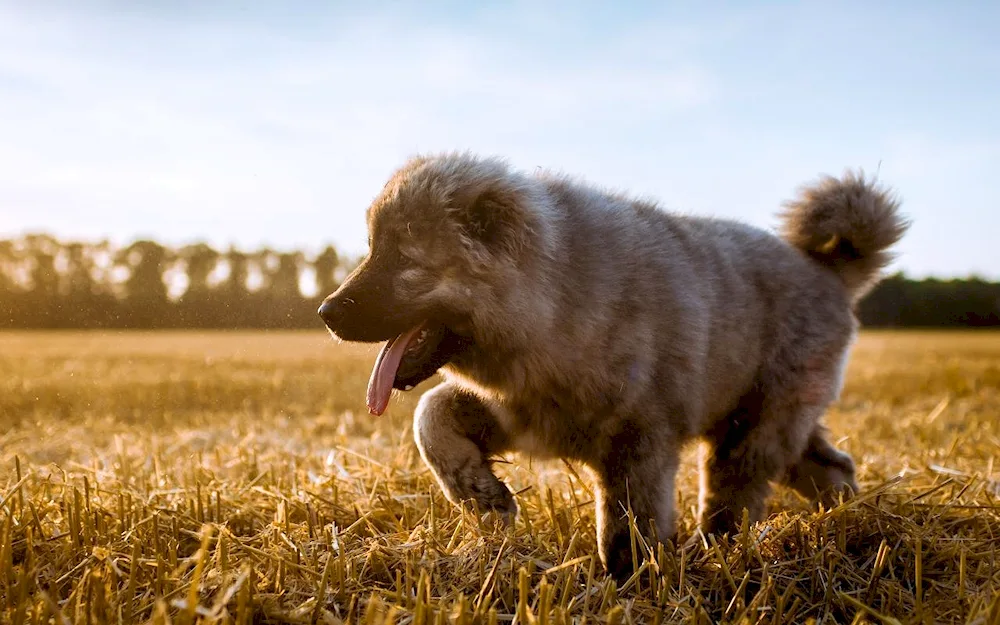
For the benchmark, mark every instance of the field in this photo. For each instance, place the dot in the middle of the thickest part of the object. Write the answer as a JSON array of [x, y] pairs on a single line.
[[236, 477]]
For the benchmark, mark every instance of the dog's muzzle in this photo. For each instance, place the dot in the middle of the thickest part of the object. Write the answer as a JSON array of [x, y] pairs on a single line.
[[331, 311]]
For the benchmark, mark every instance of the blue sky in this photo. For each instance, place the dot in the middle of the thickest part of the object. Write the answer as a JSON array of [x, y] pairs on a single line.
[[276, 123]]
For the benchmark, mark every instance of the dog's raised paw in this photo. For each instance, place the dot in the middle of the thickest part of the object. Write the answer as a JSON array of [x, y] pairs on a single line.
[[478, 484]]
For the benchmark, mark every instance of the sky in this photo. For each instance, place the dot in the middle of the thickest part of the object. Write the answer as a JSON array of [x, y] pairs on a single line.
[[266, 123]]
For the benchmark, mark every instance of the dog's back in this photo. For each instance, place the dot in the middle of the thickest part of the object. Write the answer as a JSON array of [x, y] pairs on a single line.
[[671, 309]]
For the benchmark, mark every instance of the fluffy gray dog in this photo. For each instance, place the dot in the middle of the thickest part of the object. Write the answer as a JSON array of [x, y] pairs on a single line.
[[576, 323]]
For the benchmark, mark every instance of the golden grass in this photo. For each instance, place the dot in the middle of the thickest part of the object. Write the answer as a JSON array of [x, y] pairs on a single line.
[[236, 478]]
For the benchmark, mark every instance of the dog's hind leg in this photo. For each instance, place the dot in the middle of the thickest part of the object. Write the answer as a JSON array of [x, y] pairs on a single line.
[[456, 434], [773, 434], [823, 472], [748, 449]]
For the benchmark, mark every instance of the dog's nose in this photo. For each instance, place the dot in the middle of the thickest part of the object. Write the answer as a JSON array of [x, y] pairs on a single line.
[[330, 310]]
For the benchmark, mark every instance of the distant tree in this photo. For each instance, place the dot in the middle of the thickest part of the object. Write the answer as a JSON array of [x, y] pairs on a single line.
[[8, 259], [884, 305], [199, 304], [146, 300], [42, 250], [281, 279], [41, 302], [11, 291], [326, 265], [77, 282], [200, 260], [233, 293], [86, 301], [235, 284], [278, 300], [146, 262]]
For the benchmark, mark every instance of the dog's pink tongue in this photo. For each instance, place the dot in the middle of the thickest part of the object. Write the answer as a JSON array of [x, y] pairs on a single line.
[[384, 372]]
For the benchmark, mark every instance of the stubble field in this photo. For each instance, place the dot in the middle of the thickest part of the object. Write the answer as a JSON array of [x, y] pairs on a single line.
[[236, 477]]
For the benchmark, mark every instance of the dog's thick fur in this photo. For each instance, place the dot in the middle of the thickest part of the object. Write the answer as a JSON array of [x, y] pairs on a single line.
[[603, 330]]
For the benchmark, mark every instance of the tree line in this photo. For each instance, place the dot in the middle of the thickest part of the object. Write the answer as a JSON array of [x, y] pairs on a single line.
[[48, 283]]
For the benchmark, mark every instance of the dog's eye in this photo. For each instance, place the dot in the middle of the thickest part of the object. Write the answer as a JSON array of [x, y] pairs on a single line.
[[405, 261]]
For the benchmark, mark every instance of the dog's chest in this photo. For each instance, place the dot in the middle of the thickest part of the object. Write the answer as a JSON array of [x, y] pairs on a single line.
[[543, 415], [545, 428]]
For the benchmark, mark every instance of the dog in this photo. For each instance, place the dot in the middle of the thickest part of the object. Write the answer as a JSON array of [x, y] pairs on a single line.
[[569, 321]]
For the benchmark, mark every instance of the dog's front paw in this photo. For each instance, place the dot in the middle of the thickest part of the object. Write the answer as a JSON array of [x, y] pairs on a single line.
[[478, 484], [617, 558]]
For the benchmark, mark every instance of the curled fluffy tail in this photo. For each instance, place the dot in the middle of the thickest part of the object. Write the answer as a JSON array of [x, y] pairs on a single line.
[[847, 224]]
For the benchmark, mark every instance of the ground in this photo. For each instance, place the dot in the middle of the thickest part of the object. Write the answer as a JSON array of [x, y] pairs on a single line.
[[236, 477]]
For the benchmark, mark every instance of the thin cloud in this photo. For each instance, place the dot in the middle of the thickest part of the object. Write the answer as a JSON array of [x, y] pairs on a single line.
[[277, 125], [308, 129]]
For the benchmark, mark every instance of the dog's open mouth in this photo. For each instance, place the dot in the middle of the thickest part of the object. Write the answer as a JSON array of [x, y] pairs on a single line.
[[409, 359]]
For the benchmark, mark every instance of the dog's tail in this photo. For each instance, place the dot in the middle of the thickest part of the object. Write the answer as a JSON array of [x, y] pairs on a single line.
[[847, 224]]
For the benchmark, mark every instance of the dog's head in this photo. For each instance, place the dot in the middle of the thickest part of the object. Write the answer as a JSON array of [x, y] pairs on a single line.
[[441, 232]]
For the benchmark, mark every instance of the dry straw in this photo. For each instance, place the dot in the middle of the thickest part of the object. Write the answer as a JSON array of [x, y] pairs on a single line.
[[155, 486]]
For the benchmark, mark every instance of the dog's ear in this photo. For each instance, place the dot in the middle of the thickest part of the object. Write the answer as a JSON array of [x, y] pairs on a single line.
[[496, 219]]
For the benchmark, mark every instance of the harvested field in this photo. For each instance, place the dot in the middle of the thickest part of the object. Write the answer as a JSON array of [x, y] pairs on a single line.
[[236, 477]]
